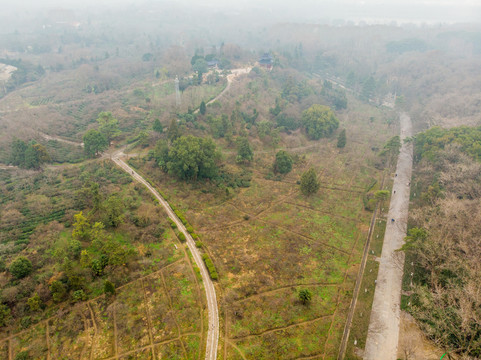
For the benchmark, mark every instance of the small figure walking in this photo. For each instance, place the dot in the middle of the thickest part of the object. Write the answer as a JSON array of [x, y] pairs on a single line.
[[392, 220]]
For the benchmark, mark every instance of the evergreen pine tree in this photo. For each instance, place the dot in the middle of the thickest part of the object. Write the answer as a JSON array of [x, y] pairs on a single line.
[[341, 139], [309, 183]]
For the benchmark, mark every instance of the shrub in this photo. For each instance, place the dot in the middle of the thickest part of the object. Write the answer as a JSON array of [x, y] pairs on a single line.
[[305, 296], [79, 295], [283, 162], [23, 355], [190, 229], [109, 288], [210, 267], [173, 225], [58, 291], [20, 267], [181, 236], [4, 315], [309, 182], [34, 303], [199, 244]]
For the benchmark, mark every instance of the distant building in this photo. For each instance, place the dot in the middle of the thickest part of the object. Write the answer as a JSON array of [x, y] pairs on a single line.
[[266, 61]]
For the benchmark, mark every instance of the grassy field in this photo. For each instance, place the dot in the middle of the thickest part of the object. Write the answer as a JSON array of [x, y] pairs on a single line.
[[268, 241], [147, 319]]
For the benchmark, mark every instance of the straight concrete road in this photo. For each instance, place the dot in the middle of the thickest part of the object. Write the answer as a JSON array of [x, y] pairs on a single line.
[[383, 333], [213, 312]]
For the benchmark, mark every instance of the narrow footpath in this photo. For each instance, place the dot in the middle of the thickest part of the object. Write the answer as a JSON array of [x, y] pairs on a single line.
[[383, 333], [213, 312]]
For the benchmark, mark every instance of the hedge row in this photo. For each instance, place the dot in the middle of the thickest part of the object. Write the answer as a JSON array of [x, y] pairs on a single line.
[[210, 266], [181, 217]]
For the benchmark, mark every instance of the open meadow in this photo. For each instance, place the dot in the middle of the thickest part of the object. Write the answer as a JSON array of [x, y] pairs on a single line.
[[268, 240]]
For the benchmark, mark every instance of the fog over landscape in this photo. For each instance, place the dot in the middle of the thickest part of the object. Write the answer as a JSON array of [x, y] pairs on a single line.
[[240, 180]]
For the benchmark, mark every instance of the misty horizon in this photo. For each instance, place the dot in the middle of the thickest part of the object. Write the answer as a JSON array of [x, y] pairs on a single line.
[[347, 12]]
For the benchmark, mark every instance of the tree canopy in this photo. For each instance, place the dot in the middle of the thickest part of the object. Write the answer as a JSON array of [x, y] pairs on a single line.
[[319, 121], [193, 158], [28, 156], [94, 143], [173, 132], [108, 126], [244, 150], [341, 139], [283, 162], [391, 149], [20, 267], [202, 108], [309, 183], [157, 126], [429, 143]]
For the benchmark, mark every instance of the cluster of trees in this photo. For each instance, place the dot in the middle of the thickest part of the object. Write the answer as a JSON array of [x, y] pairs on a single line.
[[29, 155], [335, 97], [284, 122], [429, 143], [96, 141], [442, 247], [294, 90], [224, 126], [26, 72], [188, 157], [406, 45], [200, 63], [319, 121], [85, 255], [69, 256]]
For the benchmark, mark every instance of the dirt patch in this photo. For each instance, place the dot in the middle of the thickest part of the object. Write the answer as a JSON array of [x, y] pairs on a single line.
[[413, 345]]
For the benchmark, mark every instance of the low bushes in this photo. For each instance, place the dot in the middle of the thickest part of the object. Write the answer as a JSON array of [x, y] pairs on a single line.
[[181, 236], [210, 266], [173, 225]]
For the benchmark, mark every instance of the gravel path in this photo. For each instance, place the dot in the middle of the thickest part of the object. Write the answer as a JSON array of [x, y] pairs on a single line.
[[213, 312], [383, 333]]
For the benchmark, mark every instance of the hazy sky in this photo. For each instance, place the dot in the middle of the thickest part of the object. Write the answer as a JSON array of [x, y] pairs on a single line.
[[308, 10]]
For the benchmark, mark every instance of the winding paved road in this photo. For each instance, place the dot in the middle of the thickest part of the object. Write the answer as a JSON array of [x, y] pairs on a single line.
[[213, 332], [383, 334]]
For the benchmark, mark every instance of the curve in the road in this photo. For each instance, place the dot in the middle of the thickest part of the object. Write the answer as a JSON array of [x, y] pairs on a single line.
[[383, 334], [213, 312], [234, 73]]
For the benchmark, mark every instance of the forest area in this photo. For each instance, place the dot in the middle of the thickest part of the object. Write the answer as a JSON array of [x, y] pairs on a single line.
[[275, 171]]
